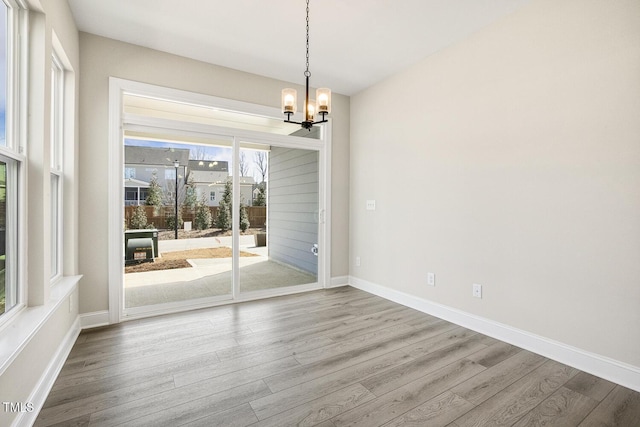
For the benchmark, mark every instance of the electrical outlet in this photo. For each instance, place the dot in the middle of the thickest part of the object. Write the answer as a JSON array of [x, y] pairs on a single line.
[[477, 290], [357, 261], [371, 205], [431, 279]]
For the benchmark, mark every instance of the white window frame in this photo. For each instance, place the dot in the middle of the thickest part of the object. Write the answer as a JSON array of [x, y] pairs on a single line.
[[12, 153], [57, 165]]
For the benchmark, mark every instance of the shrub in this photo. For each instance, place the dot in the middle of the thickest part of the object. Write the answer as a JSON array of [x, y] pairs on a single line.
[[171, 220], [244, 218], [202, 218], [223, 218], [139, 218], [154, 196], [261, 198], [191, 196]]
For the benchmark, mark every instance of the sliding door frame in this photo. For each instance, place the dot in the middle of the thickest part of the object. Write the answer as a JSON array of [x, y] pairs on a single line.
[[119, 123]]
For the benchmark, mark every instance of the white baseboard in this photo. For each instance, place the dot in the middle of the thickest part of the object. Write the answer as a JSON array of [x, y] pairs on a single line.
[[600, 366], [94, 319], [338, 281], [49, 376]]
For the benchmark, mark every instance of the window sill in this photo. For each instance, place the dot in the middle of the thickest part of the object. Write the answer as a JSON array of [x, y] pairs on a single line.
[[25, 324]]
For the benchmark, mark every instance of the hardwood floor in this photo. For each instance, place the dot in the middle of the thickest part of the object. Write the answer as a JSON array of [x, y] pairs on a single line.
[[332, 358]]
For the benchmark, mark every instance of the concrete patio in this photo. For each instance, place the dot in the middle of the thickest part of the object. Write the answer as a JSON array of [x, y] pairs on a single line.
[[209, 277]]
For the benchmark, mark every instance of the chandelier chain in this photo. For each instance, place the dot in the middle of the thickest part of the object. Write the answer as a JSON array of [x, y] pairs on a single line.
[[307, 73]]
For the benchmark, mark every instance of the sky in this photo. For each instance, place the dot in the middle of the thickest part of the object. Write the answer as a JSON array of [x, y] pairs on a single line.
[[3, 72]]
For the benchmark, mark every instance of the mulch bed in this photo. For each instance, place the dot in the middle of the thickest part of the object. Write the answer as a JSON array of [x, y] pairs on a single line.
[[178, 259], [211, 232]]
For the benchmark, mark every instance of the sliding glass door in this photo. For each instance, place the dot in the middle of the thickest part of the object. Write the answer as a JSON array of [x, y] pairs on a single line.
[[169, 262], [214, 214], [281, 248]]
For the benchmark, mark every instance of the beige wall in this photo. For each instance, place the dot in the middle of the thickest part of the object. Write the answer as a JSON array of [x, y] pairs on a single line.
[[102, 58], [512, 160]]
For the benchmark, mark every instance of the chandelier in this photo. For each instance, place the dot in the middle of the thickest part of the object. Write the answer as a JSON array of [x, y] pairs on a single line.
[[321, 106]]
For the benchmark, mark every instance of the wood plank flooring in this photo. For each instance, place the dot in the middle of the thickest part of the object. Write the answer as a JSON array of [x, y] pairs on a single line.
[[339, 357]]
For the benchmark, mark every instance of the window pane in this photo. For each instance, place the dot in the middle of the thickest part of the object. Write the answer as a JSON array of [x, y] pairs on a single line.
[[3, 73], [284, 216], [54, 119], [8, 290], [55, 224], [57, 139]]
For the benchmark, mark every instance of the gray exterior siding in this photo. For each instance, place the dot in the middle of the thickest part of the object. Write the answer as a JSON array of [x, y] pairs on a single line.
[[293, 207], [141, 163]]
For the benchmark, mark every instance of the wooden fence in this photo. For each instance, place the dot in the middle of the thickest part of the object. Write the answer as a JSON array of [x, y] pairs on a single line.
[[157, 216]]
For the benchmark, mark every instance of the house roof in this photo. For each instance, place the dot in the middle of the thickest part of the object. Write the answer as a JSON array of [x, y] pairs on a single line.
[[209, 165], [155, 156], [132, 182]]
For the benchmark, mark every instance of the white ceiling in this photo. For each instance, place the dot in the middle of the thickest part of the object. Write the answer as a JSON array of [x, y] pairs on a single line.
[[353, 43]]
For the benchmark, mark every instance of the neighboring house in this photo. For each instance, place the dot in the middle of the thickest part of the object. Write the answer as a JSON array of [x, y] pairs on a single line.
[[135, 192], [246, 190], [209, 177], [256, 191], [140, 163]]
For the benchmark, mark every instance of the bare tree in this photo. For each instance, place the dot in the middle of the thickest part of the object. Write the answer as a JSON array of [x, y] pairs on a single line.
[[244, 166], [199, 153], [169, 190], [260, 160]]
